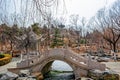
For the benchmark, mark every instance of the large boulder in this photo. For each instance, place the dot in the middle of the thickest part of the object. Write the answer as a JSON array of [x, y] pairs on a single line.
[[25, 78], [103, 59], [95, 74], [103, 75], [8, 76], [38, 75]]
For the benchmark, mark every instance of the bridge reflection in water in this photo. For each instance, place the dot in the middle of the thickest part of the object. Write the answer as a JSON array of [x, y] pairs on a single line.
[[60, 71]]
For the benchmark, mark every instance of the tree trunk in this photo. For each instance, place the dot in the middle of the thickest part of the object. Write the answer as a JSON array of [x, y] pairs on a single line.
[[114, 47], [110, 46], [27, 56], [11, 49], [79, 40]]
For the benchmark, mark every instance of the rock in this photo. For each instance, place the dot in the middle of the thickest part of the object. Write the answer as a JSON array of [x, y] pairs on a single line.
[[103, 59], [8, 76], [103, 75], [38, 75], [84, 78], [27, 72], [95, 74], [78, 79], [22, 75], [25, 78], [111, 77], [1, 75], [4, 77]]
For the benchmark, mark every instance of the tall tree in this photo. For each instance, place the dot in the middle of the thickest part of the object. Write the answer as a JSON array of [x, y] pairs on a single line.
[[57, 39], [74, 20], [3, 37], [36, 28], [106, 24]]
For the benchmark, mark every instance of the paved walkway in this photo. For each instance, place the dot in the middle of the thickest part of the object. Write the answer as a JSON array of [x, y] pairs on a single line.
[[12, 64], [115, 66]]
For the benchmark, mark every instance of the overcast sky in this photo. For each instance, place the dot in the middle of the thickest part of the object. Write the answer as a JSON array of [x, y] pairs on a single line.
[[83, 8], [86, 8]]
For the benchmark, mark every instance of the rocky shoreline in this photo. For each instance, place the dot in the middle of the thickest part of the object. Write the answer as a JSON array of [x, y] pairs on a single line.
[[92, 75], [21, 76]]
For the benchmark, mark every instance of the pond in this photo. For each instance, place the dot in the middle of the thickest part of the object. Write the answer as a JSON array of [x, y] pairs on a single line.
[[60, 71]]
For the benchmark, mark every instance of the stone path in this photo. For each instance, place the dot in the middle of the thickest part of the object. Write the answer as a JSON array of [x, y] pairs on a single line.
[[12, 64], [114, 66]]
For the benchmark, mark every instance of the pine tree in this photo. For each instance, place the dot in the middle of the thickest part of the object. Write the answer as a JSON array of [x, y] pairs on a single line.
[[57, 39]]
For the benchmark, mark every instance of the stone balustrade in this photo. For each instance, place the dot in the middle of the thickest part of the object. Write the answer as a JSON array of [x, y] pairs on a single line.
[[83, 64]]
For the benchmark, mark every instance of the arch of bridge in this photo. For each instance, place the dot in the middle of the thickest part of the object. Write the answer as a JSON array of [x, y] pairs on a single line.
[[79, 69], [79, 64]]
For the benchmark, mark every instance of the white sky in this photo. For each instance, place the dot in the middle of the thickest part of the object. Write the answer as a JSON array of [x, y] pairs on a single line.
[[85, 8]]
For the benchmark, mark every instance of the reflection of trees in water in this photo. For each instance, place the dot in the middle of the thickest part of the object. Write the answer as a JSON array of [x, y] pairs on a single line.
[[54, 75], [63, 72]]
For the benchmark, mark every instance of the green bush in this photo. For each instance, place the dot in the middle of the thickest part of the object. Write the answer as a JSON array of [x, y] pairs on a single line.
[[2, 56], [6, 59], [82, 41], [111, 77]]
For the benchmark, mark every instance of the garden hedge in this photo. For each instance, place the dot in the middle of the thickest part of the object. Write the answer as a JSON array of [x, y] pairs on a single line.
[[6, 59]]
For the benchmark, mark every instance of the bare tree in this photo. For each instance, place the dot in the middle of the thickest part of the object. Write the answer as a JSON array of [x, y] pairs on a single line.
[[78, 24], [74, 22], [114, 14], [107, 26]]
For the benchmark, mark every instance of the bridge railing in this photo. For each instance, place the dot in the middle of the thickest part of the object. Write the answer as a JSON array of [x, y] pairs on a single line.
[[96, 65], [64, 53], [36, 59], [91, 64], [76, 56]]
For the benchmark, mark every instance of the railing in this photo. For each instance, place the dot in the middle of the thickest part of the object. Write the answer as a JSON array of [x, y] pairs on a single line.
[[90, 64], [64, 53]]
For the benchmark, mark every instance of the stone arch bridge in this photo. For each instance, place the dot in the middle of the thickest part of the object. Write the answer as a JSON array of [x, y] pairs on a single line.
[[79, 64]]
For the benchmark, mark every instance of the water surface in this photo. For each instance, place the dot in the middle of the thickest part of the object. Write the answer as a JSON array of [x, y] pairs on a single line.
[[60, 71]]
